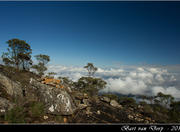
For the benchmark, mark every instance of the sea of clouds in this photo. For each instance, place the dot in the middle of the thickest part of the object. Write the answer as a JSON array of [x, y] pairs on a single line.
[[136, 80]]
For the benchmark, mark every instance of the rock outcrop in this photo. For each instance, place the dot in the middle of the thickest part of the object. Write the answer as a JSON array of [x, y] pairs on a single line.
[[57, 101], [11, 87], [105, 99], [5, 105], [115, 104]]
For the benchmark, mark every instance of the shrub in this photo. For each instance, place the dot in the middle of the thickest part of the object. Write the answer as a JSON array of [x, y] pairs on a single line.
[[36, 109], [111, 96], [143, 103], [127, 101], [90, 85], [15, 115], [174, 112]]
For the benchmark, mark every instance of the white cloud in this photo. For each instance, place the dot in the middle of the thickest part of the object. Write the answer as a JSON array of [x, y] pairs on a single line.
[[135, 80], [170, 90]]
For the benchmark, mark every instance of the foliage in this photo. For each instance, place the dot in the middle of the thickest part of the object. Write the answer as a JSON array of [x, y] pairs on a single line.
[[91, 69], [15, 115], [40, 68], [148, 98], [51, 74], [37, 109], [90, 85], [42, 61], [147, 109], [111, 96], [164, 99], [174, 112], [142, 103], [65, 81], [19, 54], [127, 101], [6, 60]]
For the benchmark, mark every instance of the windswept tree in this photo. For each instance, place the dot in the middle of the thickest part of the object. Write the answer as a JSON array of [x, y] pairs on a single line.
[[51, 74], [90, 85], [6, 60], [146, 98], [164, 99], [18, 55], [91, 69], [42, 61]]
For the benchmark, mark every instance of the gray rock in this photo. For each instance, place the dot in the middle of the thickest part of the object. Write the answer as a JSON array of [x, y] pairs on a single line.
[[98, 112], [11, 87], [57, 101], [5, 105], [68, 89], [105, 99], [82, 106], [115, 104], [86, 102], [130, 117]]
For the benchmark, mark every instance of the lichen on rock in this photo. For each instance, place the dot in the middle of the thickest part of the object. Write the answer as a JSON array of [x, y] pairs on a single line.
[[57, 101]]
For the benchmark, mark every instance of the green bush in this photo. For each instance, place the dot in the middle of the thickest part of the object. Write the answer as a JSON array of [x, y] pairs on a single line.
[[127, 101], [59, 119], [147, 110], [90, 85], [111, 96], [36, 109], [15, 115], [174, 112], [143, 103]]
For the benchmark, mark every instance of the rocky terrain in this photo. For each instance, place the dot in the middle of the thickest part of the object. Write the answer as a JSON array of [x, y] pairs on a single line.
[[24, 98]]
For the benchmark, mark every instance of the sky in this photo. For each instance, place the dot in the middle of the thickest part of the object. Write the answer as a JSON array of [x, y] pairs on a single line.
[[135, 45], [104, 33]]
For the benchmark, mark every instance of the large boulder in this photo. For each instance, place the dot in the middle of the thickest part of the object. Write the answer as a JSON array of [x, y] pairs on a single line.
[[105, 99], [56, 100], [11, 87], [115, 104], [5, 105]]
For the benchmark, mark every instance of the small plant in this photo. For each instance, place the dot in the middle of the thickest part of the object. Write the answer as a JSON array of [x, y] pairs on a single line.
[[127, 101], [143, 103], [111, 96], [15, 115], [51, 74], [59, 119], [36, 109]]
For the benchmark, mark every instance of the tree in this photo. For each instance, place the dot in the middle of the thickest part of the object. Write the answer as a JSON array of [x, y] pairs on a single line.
[[19, 54], [148, 98], [6, 60], [175, 111], [40, 68], [66, 81], [90, 85], [51, 74], [165, 99], [42, 61], [126, 101], [91, 69]]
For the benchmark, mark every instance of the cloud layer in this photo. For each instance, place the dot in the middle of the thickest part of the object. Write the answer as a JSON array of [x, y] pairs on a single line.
[[144, 80]]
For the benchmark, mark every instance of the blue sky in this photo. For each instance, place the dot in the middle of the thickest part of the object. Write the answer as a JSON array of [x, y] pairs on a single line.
[[105, 33]]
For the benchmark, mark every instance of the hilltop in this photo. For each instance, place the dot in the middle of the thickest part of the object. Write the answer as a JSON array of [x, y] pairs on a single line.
[[25, 99]]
